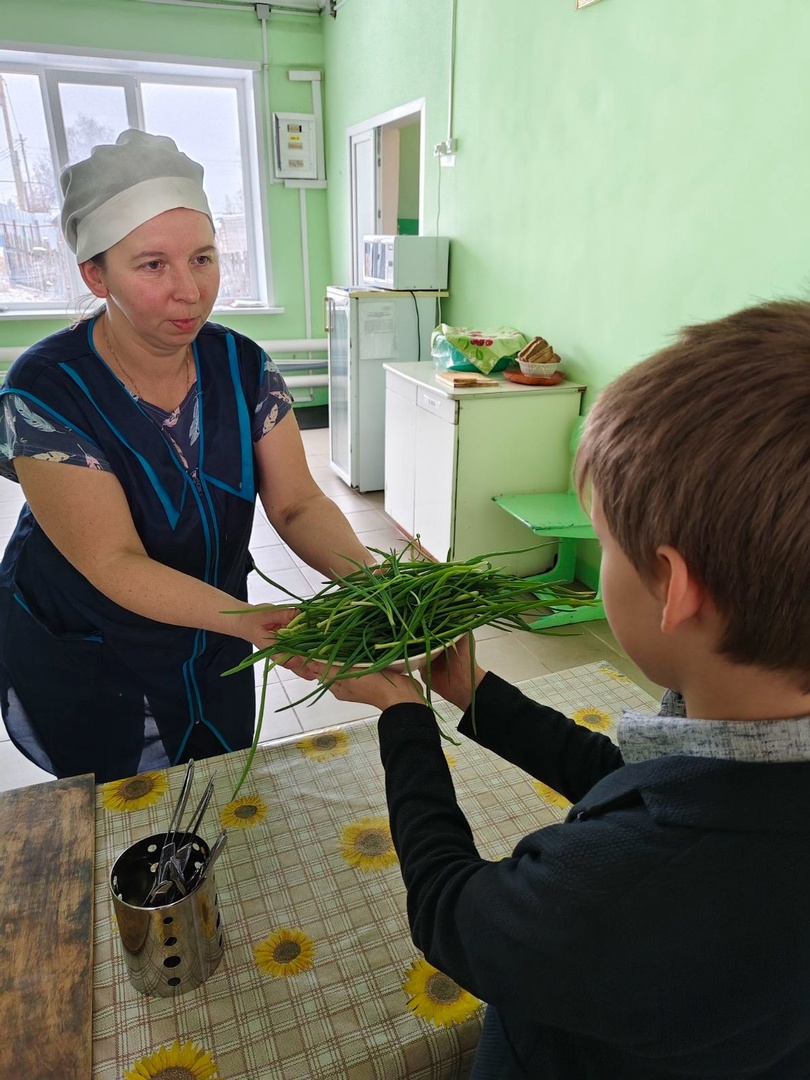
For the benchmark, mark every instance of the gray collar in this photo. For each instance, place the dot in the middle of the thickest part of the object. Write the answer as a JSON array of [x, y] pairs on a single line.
[[642, 738]]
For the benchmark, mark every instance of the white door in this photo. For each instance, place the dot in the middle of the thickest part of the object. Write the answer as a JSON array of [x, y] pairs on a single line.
[[435, 473], [400, 444], [364, 164]]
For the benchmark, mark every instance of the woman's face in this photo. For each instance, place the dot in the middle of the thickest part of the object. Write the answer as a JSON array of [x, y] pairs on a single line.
[[163, 278]]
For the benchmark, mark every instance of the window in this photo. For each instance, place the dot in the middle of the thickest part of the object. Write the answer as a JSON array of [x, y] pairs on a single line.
[[55, 108]]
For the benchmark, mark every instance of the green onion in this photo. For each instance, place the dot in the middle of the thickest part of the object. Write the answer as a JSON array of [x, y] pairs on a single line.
[[401, 609]]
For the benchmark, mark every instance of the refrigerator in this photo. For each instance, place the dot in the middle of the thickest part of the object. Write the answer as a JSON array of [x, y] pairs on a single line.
[[366, 328]]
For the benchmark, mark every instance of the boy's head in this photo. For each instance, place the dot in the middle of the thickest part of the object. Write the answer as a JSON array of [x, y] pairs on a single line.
[[705, 447]]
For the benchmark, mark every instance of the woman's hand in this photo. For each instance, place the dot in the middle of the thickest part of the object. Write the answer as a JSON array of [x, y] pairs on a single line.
[[452, 674], [259, 624], [382, 689]]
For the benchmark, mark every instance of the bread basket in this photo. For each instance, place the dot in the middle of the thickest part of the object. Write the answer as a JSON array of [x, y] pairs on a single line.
[[538, 371], [538, 359]]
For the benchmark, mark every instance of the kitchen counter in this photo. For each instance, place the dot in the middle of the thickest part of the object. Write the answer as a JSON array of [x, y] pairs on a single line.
[[449, 451], [424, 374]]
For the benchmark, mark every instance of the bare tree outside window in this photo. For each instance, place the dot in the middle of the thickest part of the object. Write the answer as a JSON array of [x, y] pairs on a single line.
[[33, 266], [85, 133]]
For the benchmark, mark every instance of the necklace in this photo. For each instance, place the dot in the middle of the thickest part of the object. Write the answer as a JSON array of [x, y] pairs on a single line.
[[127, 375]]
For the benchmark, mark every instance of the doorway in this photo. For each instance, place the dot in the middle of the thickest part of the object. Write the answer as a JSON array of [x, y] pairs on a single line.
[[386, 178]]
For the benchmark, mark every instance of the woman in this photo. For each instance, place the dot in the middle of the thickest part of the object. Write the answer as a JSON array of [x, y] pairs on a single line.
[[141, 438]]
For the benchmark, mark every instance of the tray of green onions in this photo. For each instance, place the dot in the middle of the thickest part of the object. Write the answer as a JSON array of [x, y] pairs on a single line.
[[396, 615], [397, 612]]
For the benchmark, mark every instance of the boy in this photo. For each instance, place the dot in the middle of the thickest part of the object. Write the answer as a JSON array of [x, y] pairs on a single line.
[[662, 930]]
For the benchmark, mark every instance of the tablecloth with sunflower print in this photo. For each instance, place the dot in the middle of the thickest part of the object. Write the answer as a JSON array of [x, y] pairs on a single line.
[[319, 976]]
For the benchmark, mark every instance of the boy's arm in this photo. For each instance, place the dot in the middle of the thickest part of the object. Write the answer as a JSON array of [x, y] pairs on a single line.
[[525, 932], [541, 741]]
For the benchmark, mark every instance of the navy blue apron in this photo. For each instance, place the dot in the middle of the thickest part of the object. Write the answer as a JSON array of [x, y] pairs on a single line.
[[82, 665]]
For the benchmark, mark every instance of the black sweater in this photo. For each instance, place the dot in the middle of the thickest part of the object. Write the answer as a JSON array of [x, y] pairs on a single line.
[[661, 931]]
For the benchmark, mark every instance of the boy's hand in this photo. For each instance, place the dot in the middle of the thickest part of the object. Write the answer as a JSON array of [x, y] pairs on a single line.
[[451, 674], [382, 689]]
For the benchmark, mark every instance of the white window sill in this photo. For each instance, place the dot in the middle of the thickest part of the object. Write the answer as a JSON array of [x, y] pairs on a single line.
[[69, 317]]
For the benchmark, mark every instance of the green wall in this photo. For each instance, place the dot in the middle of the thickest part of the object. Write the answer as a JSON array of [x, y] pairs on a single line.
[[149, 29], [621, 169]]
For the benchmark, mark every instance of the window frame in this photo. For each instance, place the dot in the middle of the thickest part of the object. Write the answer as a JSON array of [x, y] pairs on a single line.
[[54, 66]]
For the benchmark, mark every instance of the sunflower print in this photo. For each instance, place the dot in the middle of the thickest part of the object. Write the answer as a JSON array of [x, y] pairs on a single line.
[[175, 1062], [436, 997], [551, 796], [367, 844], [594, 719], [287, 951], [617, 676], [325, 744], [134, 792], [243, 813]]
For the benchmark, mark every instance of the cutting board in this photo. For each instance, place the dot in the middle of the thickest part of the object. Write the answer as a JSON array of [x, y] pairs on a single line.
[[47, 847], [462, 379]]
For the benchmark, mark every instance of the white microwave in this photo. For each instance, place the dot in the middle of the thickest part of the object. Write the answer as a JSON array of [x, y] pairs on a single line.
[[406, 262]]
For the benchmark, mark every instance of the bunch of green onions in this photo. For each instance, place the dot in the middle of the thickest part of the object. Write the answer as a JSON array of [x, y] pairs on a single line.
[[401, 609]]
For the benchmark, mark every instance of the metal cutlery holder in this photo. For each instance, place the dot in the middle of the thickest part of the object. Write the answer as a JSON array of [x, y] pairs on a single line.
[[173, 948]]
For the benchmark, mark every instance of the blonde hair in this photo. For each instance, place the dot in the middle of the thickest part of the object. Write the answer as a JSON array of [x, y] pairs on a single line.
[[706, 447]]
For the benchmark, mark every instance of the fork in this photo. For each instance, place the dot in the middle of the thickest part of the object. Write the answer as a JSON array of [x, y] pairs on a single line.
[[184, 851], [167, 851]]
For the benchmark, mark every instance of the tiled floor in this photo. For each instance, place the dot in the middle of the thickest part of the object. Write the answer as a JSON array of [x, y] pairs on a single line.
[[514, 656]]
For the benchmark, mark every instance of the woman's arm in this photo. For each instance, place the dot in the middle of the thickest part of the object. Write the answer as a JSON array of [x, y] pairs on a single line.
[[306, 519], [86, 516]]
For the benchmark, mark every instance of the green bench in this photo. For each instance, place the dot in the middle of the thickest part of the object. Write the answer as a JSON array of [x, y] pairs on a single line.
[[561, 517]]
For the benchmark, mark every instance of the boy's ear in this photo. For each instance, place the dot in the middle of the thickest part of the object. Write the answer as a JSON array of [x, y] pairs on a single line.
[[681, 594], [93, 278]]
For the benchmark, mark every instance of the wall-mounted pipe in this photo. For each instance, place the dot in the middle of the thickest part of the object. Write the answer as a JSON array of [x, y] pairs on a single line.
[[296, 381], [452, 73], [8, 353], [291, 345], [289, 7]]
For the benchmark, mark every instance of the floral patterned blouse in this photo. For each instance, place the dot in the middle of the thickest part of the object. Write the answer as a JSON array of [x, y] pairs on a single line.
[[27, 432]]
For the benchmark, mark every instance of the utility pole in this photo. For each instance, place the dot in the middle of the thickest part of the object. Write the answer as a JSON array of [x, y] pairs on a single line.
[[22, 199]]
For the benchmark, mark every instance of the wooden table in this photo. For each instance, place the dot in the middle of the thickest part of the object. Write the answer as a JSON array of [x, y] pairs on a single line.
[[46, 932], [317, 946]]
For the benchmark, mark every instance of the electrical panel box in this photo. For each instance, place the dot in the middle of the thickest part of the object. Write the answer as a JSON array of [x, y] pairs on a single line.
[[294, 140]]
